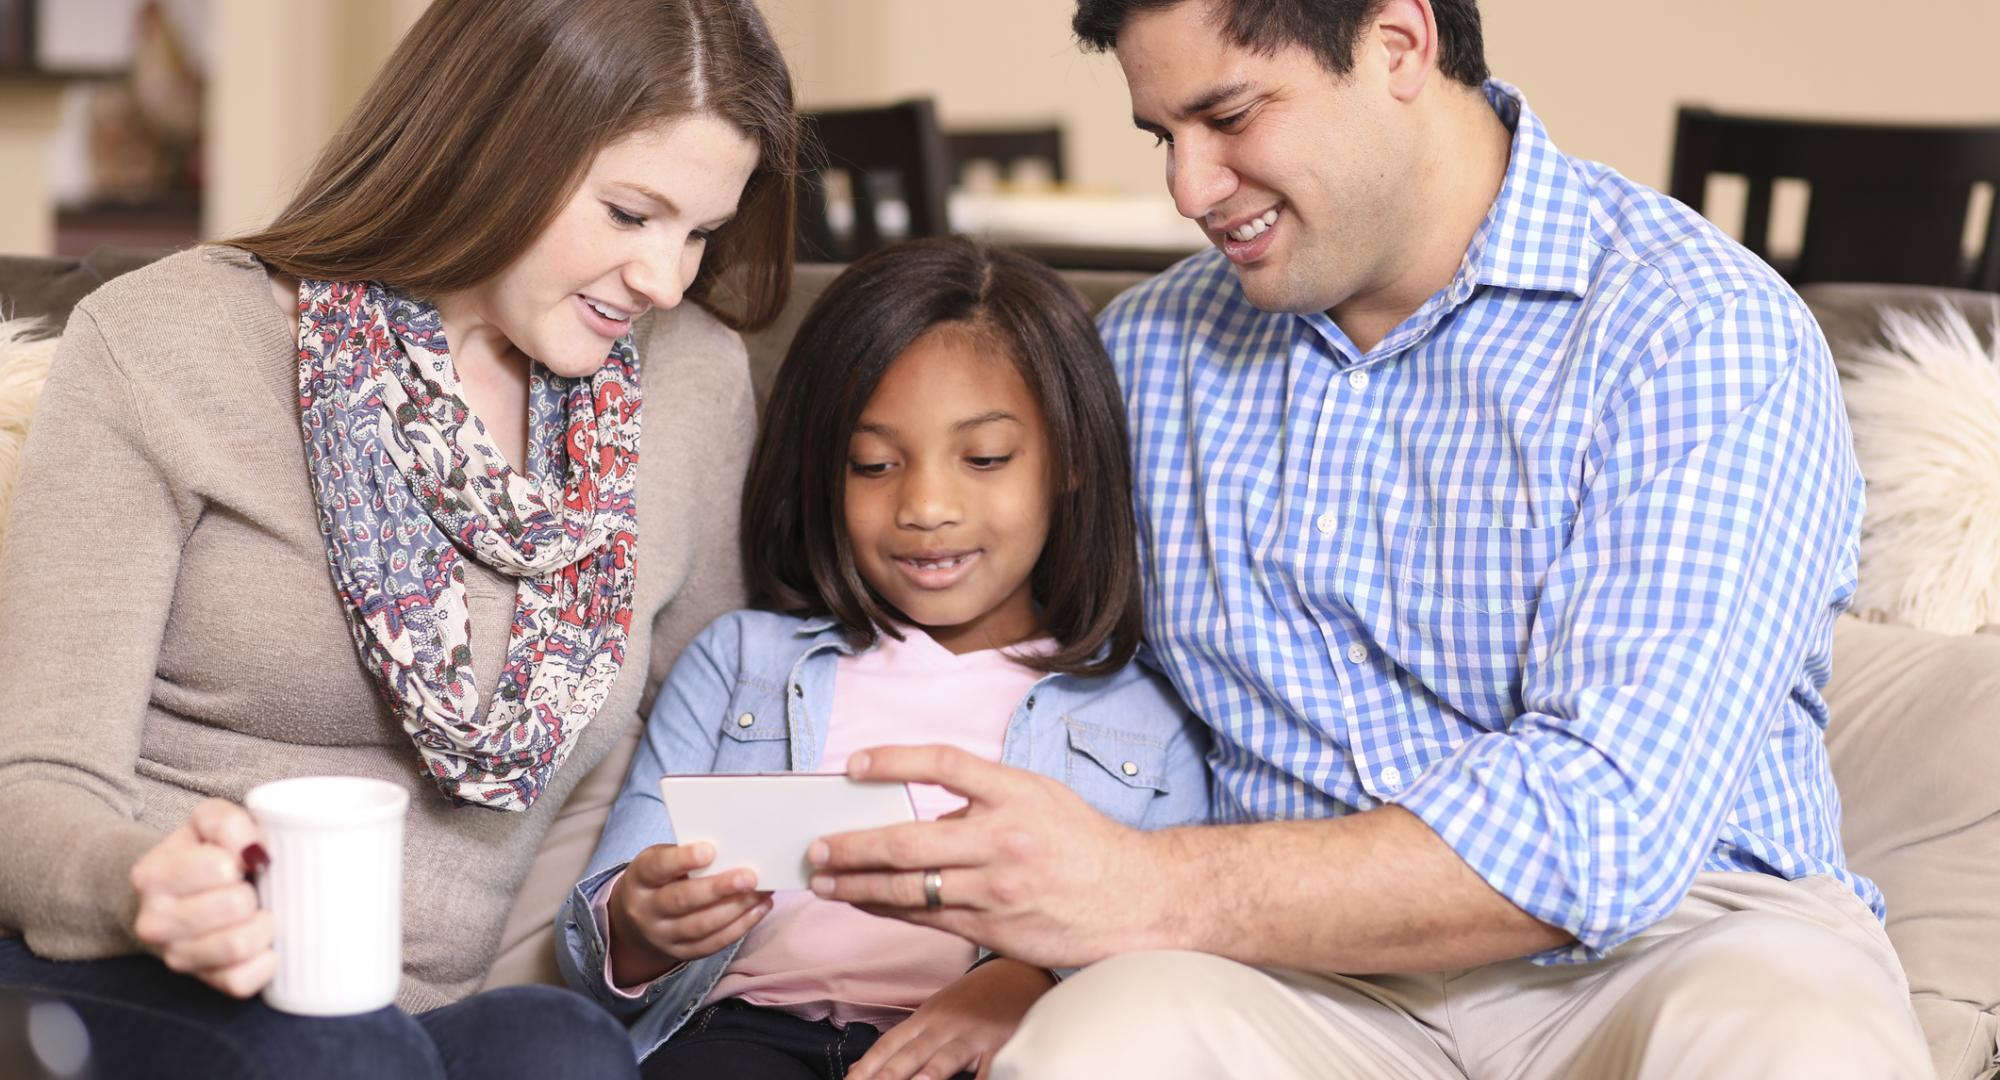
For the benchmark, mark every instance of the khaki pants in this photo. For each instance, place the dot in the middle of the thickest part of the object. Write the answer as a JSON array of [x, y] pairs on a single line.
[[1752, 976]]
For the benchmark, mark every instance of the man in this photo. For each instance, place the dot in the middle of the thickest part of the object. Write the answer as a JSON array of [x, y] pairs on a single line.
[[1496, 513]]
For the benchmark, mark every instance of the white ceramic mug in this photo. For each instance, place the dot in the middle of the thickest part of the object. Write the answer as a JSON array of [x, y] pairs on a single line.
[[334, 887]]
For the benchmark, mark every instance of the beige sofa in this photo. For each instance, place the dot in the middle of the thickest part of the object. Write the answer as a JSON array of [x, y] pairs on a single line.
[[1915, 741]]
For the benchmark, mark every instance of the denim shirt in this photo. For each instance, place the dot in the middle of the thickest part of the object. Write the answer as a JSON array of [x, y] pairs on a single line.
[[1124, 742]]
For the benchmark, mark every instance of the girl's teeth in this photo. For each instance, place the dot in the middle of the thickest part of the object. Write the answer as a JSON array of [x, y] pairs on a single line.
[[938, 564], [604, 311]]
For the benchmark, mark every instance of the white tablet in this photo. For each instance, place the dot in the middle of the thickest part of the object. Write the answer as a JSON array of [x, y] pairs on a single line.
[[765, 821]]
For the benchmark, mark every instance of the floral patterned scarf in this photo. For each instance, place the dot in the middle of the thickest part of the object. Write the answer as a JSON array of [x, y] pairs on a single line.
[[408, 482]]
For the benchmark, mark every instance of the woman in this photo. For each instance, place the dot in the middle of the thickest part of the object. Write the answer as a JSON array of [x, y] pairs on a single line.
[[428, 377]]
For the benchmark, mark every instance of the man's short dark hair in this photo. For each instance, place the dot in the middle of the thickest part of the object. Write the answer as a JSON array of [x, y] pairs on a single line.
[[1329, 28]]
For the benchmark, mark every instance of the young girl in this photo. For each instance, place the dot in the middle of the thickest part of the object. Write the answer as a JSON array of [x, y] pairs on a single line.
[[938, 533]]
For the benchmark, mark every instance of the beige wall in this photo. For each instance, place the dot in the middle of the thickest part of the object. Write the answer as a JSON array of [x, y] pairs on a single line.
[[284, 77], [985, 61], [1605, 74], [28, 111]]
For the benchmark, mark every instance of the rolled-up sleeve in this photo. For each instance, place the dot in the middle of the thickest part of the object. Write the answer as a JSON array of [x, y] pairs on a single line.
[[1687, 616]]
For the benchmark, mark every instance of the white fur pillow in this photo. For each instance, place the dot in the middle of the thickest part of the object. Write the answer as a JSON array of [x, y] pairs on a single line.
[[1925, 407], [25, 352]]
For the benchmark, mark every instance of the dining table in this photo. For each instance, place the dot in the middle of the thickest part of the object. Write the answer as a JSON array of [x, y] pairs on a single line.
[[1067, 228]]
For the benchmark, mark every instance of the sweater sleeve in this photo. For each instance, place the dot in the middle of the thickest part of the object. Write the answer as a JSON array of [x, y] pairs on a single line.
[[716, 396], [87, 577]]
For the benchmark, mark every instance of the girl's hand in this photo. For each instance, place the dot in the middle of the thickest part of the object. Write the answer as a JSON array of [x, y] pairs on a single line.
[[961, 1027], [196, 910], [660, 917]]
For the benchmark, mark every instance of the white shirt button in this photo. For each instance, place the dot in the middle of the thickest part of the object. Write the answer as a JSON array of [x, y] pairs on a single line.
[[1392, 777], [1358, 380], [745, 720], [1325, 524], [1357, 653], [1131, 768]]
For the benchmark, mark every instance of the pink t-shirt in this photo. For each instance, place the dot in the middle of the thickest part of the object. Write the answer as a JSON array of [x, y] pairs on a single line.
[[819, 959]]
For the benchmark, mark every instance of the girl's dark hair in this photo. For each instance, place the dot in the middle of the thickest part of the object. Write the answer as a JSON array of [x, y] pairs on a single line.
[[1329, 28], [796, 552], [486, 118]]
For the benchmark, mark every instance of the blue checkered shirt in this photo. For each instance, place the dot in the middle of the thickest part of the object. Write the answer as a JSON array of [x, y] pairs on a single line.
[[1554, 566]]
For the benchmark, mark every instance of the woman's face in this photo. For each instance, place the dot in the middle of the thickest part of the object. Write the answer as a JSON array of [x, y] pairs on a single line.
[[631, 238]]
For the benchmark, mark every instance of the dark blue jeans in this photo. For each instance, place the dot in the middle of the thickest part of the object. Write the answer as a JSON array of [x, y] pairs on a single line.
[[741, 1041], [144, 1020]]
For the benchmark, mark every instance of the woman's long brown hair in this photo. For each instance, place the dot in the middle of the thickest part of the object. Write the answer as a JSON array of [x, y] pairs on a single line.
[[487, 116]]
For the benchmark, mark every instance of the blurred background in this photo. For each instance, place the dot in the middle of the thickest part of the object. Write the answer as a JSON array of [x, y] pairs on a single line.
[[153, 123]]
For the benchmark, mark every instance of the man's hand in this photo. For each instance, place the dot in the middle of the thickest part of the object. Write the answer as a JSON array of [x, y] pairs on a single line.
[[961, 1027], [660, 917], [1029, 869]]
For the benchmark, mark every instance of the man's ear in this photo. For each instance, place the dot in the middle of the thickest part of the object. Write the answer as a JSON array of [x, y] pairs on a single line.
[[1406, 33]]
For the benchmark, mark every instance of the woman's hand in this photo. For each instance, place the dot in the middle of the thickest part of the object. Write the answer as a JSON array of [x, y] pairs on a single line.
[[660, 917], [961, 1027], [196, 910]]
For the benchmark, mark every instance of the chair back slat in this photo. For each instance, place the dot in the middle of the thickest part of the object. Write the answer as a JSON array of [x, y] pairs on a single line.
[[1886, 203], [1006, 148], [895, 146]]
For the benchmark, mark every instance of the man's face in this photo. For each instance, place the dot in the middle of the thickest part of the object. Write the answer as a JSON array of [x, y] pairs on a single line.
[[1304, 179]]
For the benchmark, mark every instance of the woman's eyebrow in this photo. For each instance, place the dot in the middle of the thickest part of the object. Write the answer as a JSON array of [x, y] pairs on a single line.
[[648, 193]]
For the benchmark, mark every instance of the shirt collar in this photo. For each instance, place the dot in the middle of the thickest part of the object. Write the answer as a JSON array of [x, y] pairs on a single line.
[[823, 624], [1535, 236]]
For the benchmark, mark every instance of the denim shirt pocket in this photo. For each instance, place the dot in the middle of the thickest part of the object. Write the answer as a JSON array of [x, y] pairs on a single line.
[[1117, 771], [756, 733]]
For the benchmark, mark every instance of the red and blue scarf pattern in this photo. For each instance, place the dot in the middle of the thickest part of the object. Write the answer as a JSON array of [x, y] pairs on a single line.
[[409, 483]]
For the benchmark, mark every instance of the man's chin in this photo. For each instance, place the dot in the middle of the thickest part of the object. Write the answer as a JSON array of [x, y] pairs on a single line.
[[1270, 288]]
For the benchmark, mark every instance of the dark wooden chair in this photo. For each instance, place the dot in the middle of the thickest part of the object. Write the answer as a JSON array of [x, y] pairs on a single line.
[[1005, 148], [1887, 203], [895, 152]]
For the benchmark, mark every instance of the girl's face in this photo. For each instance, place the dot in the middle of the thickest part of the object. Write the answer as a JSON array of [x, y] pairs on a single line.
[[629, 239], [947, 502]]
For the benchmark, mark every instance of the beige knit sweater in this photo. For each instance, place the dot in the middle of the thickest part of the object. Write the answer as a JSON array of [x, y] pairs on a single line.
[[169, 629]]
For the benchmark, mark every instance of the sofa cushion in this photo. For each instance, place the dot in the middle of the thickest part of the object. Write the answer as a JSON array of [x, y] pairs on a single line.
[[1851, 314], [1915, 747], [31, 287], [26, 351], [1922, 386]]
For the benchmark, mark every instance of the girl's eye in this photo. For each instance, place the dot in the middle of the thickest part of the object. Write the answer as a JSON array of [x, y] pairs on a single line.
[[989, 462], [624, 217], [700, 236], [869, 468]]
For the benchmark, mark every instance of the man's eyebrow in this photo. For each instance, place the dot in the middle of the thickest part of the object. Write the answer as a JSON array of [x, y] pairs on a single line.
[[1206, 101]]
